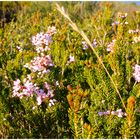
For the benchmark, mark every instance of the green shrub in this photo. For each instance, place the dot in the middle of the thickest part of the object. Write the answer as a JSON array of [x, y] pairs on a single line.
[[83, 85]]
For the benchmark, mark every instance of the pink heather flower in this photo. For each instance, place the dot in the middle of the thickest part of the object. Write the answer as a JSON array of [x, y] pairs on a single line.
[[41, 73], [39, 100], [17, 82], [42, 41], [100, 113], [115, 23], [120, 113], [29, 88], [26, 89], [41, 49], [136, 73], [110, 46], [37, 40], [47, 39], [71, 59], [47, 86], [41, 96], [94, 44], [85, 46], [40, 64], [50, 93], [104, 113], [16, 85], [113, 112], [17, 88], [107, 112]]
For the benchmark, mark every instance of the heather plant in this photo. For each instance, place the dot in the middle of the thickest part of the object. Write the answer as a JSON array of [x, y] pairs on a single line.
[[110, 79], [69, 76]]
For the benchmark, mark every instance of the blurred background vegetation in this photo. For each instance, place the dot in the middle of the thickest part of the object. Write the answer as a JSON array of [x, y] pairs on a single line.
[[78, 10]]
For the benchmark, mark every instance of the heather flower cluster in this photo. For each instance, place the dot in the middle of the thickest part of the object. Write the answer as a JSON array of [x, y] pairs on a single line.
[[71, 59], [39, 64], [42, 40], [42, 96], [121, 16], [118, 113], [116, 23], [110, 46], [85, 46], [94, 43], [136, 73], [25, 89], [28, 89]]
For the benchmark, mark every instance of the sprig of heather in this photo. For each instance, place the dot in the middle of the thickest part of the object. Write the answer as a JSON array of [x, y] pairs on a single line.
[[71, 59], [40, 64], [23, 89], [43, 40], [110, 46], [28, 89], [85, 45], [118, 113]]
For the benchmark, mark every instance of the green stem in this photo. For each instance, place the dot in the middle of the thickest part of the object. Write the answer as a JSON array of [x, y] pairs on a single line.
[[75, 125]]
